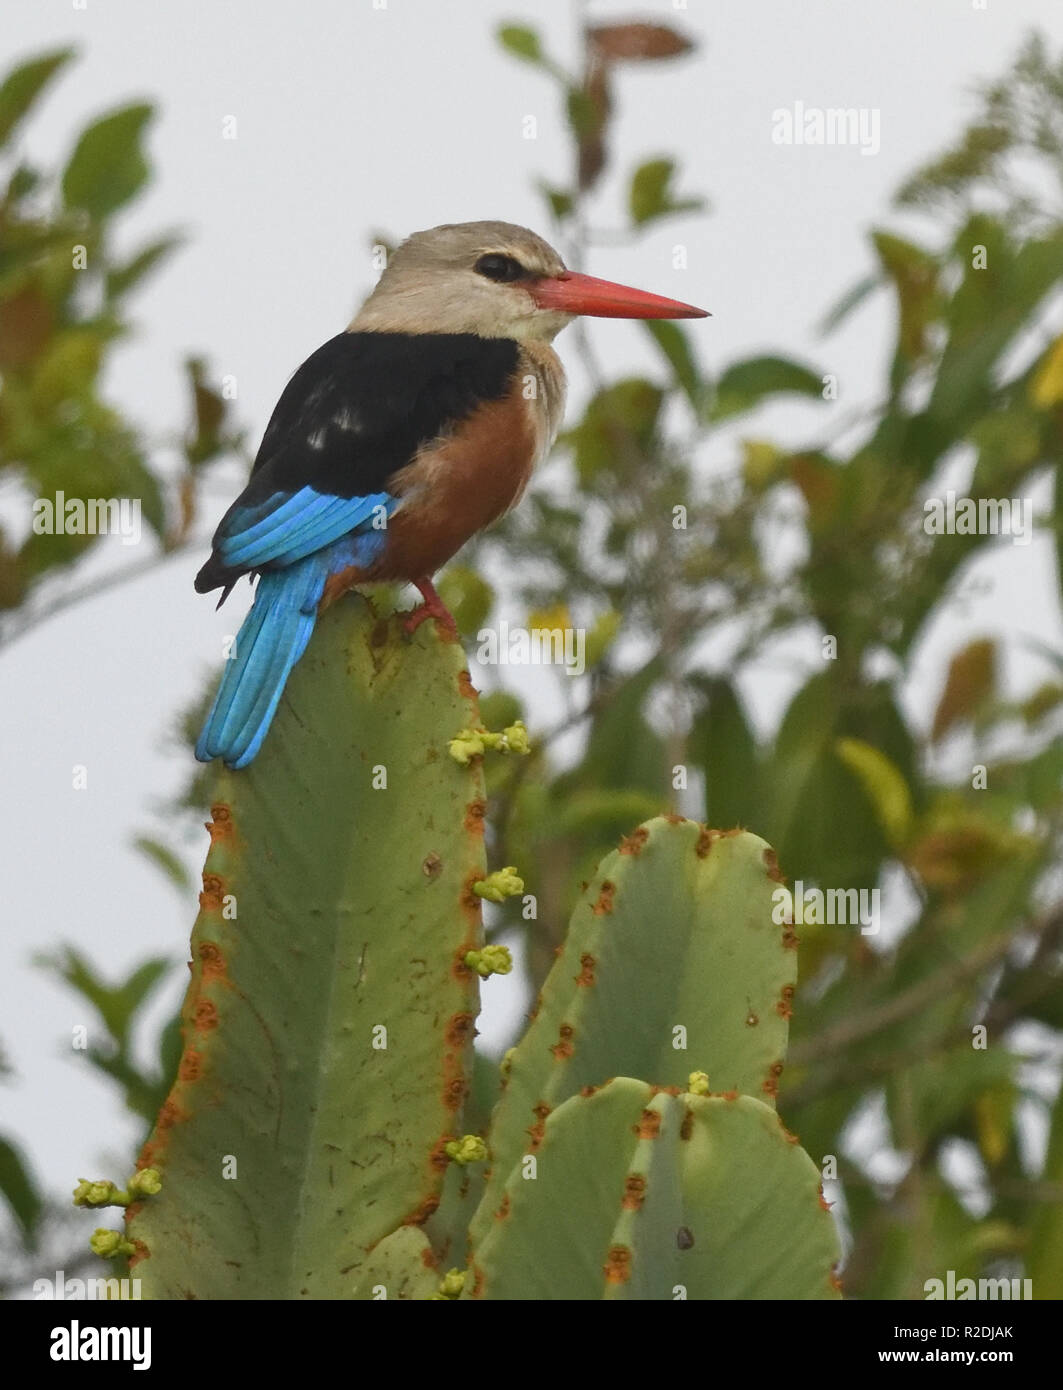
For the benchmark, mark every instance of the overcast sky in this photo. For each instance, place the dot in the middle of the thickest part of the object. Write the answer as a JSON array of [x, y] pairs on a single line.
[[353, 117]]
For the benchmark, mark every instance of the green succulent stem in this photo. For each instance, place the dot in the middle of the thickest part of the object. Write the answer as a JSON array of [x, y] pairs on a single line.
[[347, 849]]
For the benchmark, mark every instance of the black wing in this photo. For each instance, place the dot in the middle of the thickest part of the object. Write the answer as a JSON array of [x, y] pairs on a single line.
[[355, 412]]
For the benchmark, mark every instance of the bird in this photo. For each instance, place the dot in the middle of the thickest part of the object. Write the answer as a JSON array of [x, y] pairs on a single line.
[[394, 443]]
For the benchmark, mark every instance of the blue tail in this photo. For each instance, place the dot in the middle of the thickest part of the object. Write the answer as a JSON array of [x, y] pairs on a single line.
[[272, 639]]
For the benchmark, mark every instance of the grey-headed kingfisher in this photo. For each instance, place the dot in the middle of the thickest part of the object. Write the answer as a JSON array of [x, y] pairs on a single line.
[[395, 442]]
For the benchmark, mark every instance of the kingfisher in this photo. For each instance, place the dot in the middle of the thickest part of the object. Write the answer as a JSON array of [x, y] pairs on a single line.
[[394, 443]]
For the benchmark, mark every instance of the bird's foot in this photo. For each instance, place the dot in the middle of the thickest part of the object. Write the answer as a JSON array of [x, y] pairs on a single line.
[[433, 607]]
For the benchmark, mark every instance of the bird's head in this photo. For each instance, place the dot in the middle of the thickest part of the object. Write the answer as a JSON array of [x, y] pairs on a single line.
[[499, 281]]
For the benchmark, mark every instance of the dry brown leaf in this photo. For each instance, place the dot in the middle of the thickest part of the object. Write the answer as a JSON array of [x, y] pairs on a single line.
[[971, 679], [637, 42]]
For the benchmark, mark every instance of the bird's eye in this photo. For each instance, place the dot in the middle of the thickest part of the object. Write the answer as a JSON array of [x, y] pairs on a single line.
[[495, 266]]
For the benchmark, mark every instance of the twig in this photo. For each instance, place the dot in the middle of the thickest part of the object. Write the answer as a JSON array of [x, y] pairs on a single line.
[[92, 590], [910, 1001]]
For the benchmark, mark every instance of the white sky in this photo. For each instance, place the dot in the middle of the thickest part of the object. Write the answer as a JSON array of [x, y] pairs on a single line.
[[352, 119]]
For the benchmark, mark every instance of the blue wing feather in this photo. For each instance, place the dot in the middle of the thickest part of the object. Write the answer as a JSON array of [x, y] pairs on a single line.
[[276, 631], [284, 529]]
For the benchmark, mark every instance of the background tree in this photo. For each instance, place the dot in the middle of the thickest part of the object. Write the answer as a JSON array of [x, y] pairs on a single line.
[[625, 536], [64, 306]]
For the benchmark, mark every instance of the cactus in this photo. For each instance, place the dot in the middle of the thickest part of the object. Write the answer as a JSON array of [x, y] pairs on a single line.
[[401, 1267], [328, 1024], [604, 1188], [313, 1142], [672, 963], [640, 1194]]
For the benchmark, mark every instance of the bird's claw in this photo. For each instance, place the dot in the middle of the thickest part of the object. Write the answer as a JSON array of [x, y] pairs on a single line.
[[433, 607]]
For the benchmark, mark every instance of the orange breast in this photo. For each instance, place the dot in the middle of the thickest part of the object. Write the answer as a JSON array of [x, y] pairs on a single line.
[[458, 485]]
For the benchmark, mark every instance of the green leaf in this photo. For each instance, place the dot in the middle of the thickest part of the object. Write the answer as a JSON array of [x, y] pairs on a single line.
[[975, 158], [884, 785], [914, 274], [763, 465], [1036, 781], [1046, 388], [820, 818], [745, 384], [142, 1092], [616, 430], [622, 750], [989, 309], [586, 117], [650, 194], [22, 182], [468, 596], [723, 745], [66, 368], [170, 1047], [849, 301], [1045, 1265], [116, 1004], [608, 812], [500, 708], [94, 454], [933, 1094], [1057, 521], [602, 635], [24, 84], [522, 42], [121, 279], [675, 345], [560, 200], [20, 1191], [108, 167], [164, 858]]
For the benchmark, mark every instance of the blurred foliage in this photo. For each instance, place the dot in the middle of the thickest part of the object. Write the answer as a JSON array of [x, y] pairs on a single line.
[[39, 1235], [118, 1008], [65, 291], [1011, 156], [956, 812], [853, 788]]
